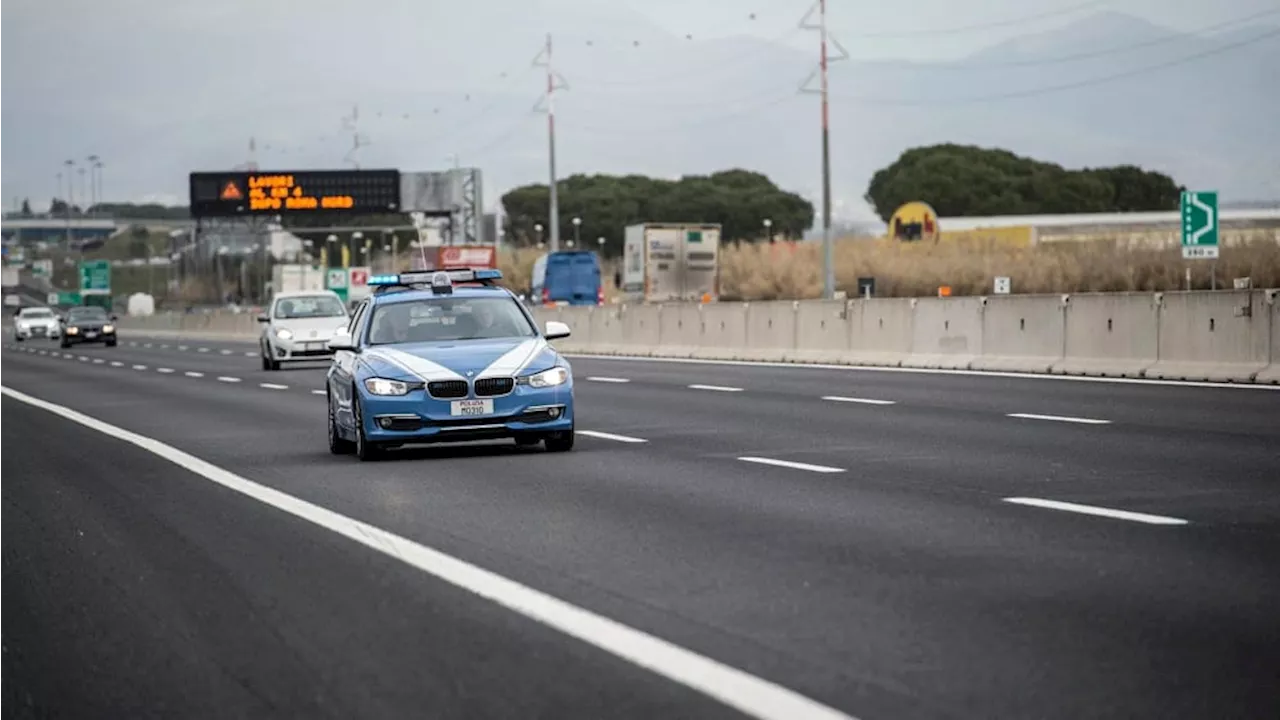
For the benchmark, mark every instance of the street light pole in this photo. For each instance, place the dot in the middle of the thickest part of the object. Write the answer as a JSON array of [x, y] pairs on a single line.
[[577, 227]]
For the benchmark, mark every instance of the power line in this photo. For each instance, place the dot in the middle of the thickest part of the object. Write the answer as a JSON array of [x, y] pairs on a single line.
[[934, 102], [987, 25], [764, 103], [966, 65]]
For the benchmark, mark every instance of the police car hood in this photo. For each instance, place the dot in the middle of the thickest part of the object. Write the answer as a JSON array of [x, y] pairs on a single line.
[[463, 359]]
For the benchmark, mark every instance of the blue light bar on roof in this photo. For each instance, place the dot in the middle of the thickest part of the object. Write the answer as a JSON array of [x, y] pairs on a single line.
[[423, 277]]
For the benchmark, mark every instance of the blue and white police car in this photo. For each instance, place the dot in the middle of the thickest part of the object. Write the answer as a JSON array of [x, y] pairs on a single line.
[[446, 356]]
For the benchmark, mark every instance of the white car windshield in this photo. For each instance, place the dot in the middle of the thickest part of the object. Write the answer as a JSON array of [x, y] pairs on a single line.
[[38, 314], [446, 318], [309, 306]]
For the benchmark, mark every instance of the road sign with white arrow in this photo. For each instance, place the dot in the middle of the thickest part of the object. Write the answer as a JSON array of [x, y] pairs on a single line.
[[1199, 211]]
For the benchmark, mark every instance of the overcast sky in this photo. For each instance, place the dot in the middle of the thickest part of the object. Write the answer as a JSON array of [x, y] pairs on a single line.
[[77, 71]]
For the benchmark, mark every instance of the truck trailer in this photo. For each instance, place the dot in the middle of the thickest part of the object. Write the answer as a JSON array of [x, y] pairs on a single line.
[[671, 262]]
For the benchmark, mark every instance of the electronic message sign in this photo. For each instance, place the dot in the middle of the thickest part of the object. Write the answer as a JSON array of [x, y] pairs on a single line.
[[236, 193]]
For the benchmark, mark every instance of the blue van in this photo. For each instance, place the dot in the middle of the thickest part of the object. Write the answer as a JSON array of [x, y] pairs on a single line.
[[571, 277]]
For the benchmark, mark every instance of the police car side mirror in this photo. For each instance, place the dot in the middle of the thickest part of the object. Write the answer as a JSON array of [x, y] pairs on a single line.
[[556, 330], [341, 340]]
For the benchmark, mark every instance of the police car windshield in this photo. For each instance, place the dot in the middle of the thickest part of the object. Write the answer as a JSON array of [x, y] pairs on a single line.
[[313, 306], [448, 318]]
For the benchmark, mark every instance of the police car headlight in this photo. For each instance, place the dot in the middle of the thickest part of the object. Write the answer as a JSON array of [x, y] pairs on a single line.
[[548, 378], [284, 333], [383, 386]]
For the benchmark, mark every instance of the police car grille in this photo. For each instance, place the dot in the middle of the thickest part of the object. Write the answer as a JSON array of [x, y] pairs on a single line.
[[494, 386], [448, 388]]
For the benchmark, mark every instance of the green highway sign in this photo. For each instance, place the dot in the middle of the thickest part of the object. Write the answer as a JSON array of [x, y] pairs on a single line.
[[67, 298], [95, 275], [1199, 211], [335, 279]]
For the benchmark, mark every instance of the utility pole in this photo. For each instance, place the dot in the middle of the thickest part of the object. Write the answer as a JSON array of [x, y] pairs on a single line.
[[554, 82], [824, 58]]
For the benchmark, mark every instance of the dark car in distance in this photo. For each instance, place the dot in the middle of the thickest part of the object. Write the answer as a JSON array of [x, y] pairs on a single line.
[[88, 324]]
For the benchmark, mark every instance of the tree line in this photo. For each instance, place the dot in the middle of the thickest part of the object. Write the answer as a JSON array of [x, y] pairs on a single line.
[[739, 200], [968, 181]]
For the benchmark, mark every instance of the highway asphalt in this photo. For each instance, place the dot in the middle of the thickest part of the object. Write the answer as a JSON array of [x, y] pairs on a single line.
[[887, 544]]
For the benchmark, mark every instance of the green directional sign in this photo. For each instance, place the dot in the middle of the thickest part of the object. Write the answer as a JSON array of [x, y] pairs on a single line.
[[335, 279], [95, 275], [1199, 211], [67, 298]]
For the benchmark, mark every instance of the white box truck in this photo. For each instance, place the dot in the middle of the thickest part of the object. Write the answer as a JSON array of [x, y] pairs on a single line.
[[671, 262]]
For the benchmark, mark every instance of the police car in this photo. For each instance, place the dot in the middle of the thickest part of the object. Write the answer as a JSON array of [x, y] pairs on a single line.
[[446, 356]]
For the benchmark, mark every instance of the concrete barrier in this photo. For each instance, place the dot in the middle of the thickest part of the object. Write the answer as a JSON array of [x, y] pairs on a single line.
[[880, 331], [1221, 336], [1110, 334], [1023, 333], [1271, 373], [1228, 336], [946, 333]]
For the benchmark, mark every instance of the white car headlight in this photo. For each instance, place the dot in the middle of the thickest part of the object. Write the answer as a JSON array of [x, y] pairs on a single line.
[[284, 333], [383, 386], [548, 378]]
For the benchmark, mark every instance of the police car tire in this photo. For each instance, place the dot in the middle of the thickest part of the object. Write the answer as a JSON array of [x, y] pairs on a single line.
[[560, 442], [338, 445], [365, 450]]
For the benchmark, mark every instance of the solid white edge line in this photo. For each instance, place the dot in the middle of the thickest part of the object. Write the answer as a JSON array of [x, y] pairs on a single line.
[[714, 388], [1095, 510], [792, 465], [862, 401], [226, 379], [189, 373], [1059, 418], [752, 695], [611, 436], [599, 379], [924, 371], [273, 386]]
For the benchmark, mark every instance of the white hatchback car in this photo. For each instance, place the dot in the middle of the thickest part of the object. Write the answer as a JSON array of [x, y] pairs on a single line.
[[299, 327]]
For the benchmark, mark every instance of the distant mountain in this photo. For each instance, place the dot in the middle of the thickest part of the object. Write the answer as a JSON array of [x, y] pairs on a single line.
[[643, 100]]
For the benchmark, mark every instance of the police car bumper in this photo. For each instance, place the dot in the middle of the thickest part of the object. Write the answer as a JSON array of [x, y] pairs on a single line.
[[419, 418]]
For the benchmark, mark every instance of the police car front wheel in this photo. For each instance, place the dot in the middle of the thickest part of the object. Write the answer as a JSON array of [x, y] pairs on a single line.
[[560, 441]]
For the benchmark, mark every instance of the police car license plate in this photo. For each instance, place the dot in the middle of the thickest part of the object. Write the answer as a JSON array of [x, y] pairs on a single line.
[[465, 408]]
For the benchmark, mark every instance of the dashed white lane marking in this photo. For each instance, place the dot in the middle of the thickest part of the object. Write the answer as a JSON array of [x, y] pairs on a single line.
[[611, 436], [754, 696], [1060, 418], [225, 352], [193, 374], [98, 361], [164, 347], [608, 379], [224, 378], [792, 465], [44, 352], [182, 347], [319, 392], [139, 367], [68, 356], [145, 345], [715, 388], [202, 350], [83, 358], [249, 354], [862, 401], [116, 363], [166, 371], [132, 343], [1099, 511], [273, 386]]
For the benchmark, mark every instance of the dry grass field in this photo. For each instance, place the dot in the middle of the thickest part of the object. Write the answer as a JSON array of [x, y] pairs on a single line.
[[794, 271]]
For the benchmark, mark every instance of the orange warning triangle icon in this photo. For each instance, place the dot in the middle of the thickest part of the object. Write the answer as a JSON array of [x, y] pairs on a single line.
[[231, 192]]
